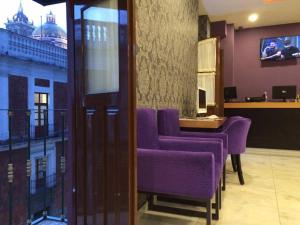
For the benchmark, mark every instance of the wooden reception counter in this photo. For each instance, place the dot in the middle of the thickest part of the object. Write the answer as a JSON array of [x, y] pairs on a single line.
[[262, 105], [274, 124]]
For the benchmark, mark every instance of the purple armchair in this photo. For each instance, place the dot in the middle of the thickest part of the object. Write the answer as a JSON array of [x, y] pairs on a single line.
[[177, 167], [237, 129], [168, 125], [148, 138]]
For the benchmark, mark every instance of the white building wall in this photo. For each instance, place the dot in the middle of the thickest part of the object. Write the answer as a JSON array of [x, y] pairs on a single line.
[[3, 107], [31, 70], [31, 49], [22, 56], [31, 102]]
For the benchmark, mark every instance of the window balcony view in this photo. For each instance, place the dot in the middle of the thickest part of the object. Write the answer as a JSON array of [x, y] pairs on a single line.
[[33, 101]]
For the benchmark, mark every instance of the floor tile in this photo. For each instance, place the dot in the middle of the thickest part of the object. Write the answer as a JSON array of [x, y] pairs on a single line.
[[289, 208], [284, 167], [289, 185]]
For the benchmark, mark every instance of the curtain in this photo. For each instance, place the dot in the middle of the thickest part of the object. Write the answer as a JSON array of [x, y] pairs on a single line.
[[207, 55]]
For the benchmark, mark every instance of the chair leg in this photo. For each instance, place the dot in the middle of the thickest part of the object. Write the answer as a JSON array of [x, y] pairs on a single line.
[[239, 169], [150, 201], [217, 196], [220, 195], [224, 178], [208, 212], [233, 162]]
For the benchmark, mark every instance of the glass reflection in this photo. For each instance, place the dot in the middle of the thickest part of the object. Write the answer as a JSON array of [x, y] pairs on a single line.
[[101, 52]]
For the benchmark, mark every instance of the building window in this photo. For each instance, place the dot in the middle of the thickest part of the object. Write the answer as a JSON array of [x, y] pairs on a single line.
[[40, 105]]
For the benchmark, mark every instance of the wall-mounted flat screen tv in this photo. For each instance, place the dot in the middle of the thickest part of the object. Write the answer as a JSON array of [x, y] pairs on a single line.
[[280, 48]]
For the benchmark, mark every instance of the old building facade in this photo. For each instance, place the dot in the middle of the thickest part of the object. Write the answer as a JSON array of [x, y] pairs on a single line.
[[33, 79]]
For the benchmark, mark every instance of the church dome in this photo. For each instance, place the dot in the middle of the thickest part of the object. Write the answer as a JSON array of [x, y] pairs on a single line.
[[51, 32], [20, 16], [20, 24]]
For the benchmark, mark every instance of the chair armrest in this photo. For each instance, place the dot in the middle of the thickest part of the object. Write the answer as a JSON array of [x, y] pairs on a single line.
[[222, 136], [193, 145], [186, 174]]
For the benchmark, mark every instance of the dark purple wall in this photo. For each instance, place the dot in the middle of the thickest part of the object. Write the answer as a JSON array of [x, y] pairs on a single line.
[[251, 76], [218, 29]]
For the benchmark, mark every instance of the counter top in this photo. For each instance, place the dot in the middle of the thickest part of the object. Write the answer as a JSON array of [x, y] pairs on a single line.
[[262, 105]]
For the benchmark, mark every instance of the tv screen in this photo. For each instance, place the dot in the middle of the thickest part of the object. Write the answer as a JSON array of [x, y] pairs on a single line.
[[280, 48]]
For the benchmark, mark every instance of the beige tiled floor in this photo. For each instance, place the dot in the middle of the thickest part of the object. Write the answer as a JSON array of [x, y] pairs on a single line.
[[271, 195]]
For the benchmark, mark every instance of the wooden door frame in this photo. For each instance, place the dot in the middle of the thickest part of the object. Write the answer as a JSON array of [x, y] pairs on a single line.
[[73, 113], [133, 120]]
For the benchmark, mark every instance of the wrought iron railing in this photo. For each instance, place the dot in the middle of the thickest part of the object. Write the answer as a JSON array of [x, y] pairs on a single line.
[[35, 161]]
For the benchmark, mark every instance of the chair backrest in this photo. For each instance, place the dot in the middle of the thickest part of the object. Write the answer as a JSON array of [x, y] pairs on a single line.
[[237, 130], [168, 122], [147, 133], [228, 121]]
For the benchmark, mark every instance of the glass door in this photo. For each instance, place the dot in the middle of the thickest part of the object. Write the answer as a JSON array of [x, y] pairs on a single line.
[[104, 140]]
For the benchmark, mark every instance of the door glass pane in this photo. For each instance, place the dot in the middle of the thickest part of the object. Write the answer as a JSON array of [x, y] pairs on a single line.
[[101, 37], [44, 98], [36, 115], [206, 81], [36, 98], [42, 116]]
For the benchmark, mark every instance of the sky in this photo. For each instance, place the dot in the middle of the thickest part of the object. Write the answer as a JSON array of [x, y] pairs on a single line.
[[33, 11]]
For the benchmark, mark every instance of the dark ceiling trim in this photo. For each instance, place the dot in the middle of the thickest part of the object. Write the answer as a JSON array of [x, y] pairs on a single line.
[[49, 2]]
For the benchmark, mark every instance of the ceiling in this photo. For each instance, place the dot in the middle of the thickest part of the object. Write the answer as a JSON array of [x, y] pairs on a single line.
[[49, 2], [271, 12]]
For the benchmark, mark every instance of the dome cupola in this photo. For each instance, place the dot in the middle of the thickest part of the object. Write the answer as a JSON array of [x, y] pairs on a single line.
[[51, 32], [20, 23]]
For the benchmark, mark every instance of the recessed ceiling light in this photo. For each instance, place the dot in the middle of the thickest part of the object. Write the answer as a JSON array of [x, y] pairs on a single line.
[[272, 1], [253, 17]]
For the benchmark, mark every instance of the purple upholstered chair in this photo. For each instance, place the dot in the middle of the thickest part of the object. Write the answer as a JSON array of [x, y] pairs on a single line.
[[147, 137], [177, 167], [237, 129], [168, 124], [183, 174]]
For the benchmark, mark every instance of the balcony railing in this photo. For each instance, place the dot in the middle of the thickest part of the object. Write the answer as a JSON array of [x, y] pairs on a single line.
[[32, 166]]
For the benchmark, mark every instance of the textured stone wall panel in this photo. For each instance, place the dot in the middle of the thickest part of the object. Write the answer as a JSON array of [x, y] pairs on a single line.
[[167, 35]]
